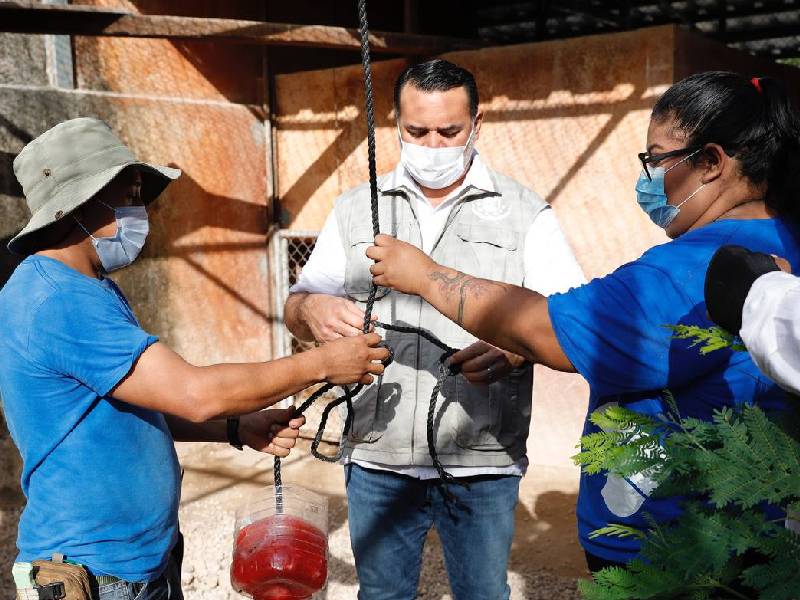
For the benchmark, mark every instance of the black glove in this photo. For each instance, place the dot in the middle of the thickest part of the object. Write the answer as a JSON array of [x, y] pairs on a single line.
[[730, 275]]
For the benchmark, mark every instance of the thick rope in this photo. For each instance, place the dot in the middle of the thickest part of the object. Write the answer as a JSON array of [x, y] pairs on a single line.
[[369, 108], [347, 397]]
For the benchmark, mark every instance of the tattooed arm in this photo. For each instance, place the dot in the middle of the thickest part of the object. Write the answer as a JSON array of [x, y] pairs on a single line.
[[508, 316]]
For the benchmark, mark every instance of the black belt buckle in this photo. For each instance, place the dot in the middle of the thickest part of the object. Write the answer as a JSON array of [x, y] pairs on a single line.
[[52, 591]]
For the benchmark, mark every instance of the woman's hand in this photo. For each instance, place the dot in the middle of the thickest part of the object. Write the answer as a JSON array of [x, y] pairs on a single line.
[[399, 265]]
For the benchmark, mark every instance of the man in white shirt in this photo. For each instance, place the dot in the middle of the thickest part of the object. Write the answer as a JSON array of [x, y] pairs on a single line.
[[444, 199]]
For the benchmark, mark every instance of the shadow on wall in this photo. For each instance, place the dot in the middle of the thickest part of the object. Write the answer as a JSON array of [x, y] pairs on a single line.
[[208, 232], [178, 68], [176, 221], [351, 133], [10, 188]]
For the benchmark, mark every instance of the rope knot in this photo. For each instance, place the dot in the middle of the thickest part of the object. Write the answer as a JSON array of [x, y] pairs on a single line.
[[446, 368]]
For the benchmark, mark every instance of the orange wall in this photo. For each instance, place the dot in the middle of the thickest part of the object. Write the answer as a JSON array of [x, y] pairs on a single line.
[[566, 118], [203, 284]]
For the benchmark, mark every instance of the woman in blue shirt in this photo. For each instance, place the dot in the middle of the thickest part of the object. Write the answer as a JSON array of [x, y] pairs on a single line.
[[721, 167]]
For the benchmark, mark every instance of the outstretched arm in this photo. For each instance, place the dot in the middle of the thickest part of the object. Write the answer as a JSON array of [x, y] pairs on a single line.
[[508, 316], [161, 380], [274, 431]]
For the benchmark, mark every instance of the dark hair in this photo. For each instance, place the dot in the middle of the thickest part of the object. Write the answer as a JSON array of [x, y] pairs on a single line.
[[437, 76], [752, 119]]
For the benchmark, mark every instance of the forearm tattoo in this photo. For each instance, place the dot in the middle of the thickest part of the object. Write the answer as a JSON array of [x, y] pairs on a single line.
[[462, 284]]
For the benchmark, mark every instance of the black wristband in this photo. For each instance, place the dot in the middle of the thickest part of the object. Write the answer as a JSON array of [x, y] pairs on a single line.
[[730, 275], [233, 432]]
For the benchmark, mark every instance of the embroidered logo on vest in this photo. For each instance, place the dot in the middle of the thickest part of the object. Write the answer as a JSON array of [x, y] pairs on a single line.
[[492, 208]]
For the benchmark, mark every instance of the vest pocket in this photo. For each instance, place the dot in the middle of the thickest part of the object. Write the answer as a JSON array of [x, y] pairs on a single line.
[[366, 428], [479, 416], [379, 408], [483, 251], [358, 279]]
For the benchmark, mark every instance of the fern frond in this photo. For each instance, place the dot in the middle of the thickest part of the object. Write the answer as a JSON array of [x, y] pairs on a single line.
[[617, 530], [726, 470], [709, 340]]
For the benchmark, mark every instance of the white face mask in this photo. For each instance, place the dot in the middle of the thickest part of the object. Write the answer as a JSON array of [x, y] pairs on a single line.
[[436, 168], [122, 249]]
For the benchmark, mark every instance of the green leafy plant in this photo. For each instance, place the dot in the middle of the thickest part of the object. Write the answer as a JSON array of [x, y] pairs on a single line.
[[723, 545], [713, 338]]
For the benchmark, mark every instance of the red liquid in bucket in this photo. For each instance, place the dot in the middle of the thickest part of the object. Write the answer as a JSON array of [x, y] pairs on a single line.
[[281, 557]]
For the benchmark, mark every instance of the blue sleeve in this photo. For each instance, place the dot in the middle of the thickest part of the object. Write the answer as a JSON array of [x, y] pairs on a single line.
[[614, 332], [90, 337]]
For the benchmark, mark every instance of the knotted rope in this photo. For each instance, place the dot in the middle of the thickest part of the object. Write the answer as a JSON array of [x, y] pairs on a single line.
[[445, 370]]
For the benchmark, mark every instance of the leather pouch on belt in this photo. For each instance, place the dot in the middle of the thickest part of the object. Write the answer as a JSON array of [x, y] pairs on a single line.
[[74, 577]]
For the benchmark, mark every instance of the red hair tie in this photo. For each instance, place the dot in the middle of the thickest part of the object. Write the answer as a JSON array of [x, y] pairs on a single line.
[[756, 84]]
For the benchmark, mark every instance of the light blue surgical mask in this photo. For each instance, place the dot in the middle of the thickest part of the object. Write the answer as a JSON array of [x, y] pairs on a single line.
[[653, 199], [121, 250]]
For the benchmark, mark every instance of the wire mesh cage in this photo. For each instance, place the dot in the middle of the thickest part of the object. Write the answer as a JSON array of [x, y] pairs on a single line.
[[291, 250]]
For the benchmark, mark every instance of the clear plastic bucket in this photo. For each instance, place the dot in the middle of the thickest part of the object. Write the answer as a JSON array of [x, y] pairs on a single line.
[[281, 555]]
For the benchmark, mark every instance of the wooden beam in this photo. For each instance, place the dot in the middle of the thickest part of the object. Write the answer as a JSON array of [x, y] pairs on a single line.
[[38, 18]]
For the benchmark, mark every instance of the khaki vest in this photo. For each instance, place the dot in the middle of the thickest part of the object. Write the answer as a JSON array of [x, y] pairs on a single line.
[[474, 425]]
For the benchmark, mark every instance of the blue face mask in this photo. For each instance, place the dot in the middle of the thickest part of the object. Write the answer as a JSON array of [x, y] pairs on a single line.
[[653, 199], [121, 250]]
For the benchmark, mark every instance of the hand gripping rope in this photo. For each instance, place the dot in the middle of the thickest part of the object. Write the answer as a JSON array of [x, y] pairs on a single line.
[[349, 393]]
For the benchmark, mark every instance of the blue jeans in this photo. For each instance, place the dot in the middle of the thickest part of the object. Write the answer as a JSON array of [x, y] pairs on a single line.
[[166, 586], [391, 514]]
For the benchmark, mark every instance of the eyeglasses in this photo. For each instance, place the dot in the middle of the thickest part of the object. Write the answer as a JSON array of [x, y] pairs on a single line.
[[653, 159]]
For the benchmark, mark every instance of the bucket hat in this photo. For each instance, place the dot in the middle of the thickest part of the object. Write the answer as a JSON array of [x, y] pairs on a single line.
[[66, 166]]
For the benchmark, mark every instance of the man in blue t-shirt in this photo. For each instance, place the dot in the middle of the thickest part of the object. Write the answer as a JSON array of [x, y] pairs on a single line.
[[92, 401]]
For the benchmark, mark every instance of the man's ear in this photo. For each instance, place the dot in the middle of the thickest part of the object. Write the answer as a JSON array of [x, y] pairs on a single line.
[[478, 123], [714, 160]]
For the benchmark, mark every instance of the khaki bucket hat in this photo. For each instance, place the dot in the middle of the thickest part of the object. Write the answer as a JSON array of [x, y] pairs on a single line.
[[66, 166]]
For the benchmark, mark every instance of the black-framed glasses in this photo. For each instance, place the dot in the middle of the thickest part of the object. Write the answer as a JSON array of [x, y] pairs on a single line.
[[653, 159]]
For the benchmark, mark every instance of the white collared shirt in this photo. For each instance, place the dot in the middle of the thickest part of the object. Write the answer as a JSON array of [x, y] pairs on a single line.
[[549, 264], [771, 327]]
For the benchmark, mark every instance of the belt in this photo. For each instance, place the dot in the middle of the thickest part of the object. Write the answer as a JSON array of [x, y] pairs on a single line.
[[101, 580]]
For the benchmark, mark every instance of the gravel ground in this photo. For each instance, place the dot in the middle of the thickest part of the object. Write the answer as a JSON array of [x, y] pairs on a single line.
[[546, 560], [545, 563]]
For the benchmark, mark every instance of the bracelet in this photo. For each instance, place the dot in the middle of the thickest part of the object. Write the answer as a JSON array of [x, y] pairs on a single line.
[[233, 432]]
